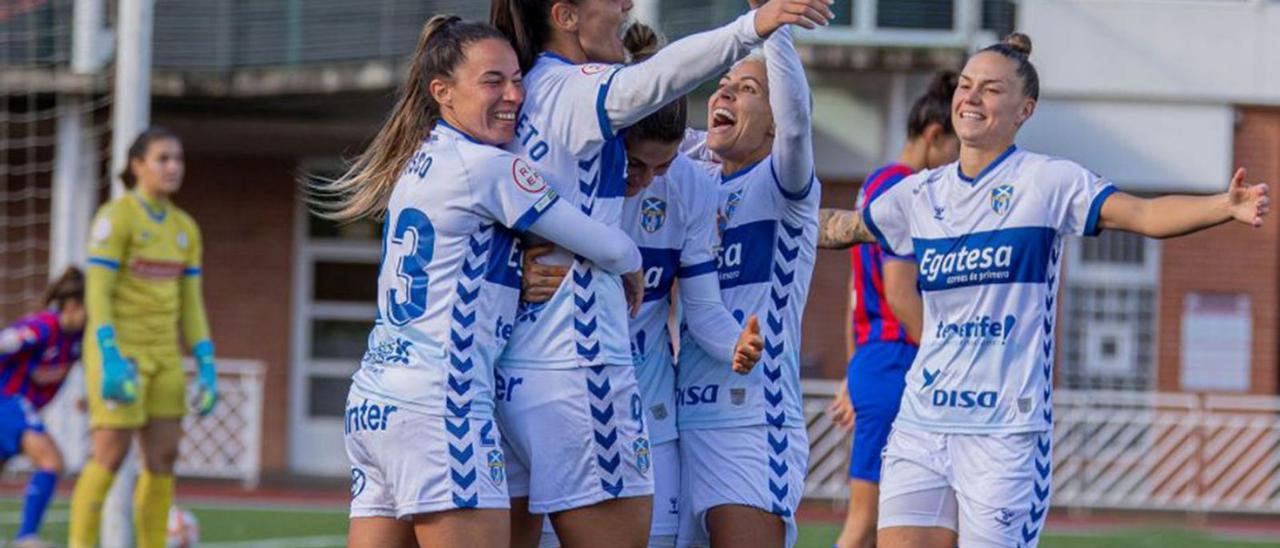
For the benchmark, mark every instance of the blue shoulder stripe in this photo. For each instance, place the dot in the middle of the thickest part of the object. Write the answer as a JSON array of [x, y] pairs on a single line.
[[105, 263]]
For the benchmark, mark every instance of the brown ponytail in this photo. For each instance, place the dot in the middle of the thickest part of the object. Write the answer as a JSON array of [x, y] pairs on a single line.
[[642, 42], [667, 124], [68, 287], [364, 189]]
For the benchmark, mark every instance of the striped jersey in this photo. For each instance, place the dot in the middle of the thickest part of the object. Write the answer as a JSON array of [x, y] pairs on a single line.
[[35, 357], [989, 250], [768, 245], [673, 222], [873, 319], [449, 280], [585, 323]]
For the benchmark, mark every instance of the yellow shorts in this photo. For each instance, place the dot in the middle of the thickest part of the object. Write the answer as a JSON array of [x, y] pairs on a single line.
[[162, 387]]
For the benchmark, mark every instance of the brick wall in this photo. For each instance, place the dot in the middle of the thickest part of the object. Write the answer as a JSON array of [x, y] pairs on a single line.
[[245, 209], [823, 347], [1232, 258]]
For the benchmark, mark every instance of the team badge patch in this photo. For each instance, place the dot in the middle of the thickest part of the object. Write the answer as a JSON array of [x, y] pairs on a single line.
[[526, 177], [182, 240], [594, 68], [497, 467], [726, 212], [653, 214], [101, 230], [357, 482], [1001, 198], [641, 448]]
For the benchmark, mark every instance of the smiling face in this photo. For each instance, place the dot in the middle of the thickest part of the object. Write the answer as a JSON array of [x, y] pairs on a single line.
[[990, 103], [647, 159], [483, 95], [159, 171], [739, 118]]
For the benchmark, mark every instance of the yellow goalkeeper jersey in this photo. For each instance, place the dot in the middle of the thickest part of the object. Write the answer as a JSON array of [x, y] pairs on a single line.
[[144, 275]]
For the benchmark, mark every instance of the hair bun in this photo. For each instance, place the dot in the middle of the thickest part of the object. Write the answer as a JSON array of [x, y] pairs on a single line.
[[641, 41], [1019, 42]]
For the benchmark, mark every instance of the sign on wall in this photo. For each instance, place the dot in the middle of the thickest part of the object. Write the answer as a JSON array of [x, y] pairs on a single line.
[[1217, 334]]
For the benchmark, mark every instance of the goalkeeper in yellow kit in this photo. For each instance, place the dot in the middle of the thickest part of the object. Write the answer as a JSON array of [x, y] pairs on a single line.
[[143, 287]]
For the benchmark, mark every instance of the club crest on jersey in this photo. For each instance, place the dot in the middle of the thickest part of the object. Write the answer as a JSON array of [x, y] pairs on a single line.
[[182, 240], [497, 467], [726, 213], [1001, 199], [641, 448], [526, 177], [653, 214]]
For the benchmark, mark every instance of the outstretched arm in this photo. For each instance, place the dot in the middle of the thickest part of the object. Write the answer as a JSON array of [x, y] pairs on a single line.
[[1172, 216], [793, 122], [841, 228], [638, 90]]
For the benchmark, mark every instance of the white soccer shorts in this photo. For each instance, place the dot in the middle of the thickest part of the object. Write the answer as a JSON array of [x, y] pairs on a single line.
[[757, 466], [574, 437], [405, 463], [992, 489]]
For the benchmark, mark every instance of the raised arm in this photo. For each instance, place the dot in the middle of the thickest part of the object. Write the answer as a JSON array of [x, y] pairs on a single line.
[[793, 123], [1172, 216], [608, 247], [841, 228], [638, 90]]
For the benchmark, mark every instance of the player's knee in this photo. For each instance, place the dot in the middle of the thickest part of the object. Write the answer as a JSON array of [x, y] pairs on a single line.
[[51, 461]]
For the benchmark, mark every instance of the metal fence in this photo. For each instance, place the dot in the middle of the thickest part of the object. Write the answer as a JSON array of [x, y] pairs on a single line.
[[1121, 450], [224, 445]]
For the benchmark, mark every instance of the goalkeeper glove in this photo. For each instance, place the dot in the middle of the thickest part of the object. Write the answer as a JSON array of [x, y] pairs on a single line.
[[119, 379], [206, 377]]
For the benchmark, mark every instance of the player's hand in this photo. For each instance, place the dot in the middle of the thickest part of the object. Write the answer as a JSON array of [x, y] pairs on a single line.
[[119, 375], [206, 378], [540, 281], [747, 352], [633, 283], [841, 408], [809, 14], [1248, 203]]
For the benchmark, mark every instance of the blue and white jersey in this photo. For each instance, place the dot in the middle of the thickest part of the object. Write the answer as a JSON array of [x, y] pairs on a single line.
[[990, 251], [768, 245], [449, 281], [585, 323], [673, 222]]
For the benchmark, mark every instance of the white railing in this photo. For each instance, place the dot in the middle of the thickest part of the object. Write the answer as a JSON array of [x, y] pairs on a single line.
[[1122, 450], [224, 445]]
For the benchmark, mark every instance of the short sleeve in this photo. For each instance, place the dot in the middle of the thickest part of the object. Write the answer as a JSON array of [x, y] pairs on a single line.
[[577, 111], [887, 217], [512, 192], [109, 236], [1081, 194], [697, 254]]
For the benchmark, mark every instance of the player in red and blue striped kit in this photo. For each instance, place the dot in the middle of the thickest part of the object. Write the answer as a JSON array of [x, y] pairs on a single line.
[[885, 314], [36, 353]]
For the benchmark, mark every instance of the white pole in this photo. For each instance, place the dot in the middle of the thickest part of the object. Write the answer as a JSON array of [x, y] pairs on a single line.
[[91, 46], [132, 109], [75, 186]]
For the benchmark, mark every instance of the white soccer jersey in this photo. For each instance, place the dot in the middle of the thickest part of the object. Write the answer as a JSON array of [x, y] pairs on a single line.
[[584, 324], [768, 245], [449, 281], [673, 222], [990, 253]]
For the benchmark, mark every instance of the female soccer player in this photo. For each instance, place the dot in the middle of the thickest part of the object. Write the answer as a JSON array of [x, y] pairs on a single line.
[[885, 312], [426, 459], [142, 290], [575, 426], [36, 353], [743, 446], [969, 457], [669, 211]]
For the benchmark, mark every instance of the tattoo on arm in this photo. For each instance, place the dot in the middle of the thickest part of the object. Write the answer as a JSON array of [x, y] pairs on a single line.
[[841, 228]]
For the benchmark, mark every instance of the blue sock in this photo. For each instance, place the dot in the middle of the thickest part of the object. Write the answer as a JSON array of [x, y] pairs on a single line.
[[39, 493]]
